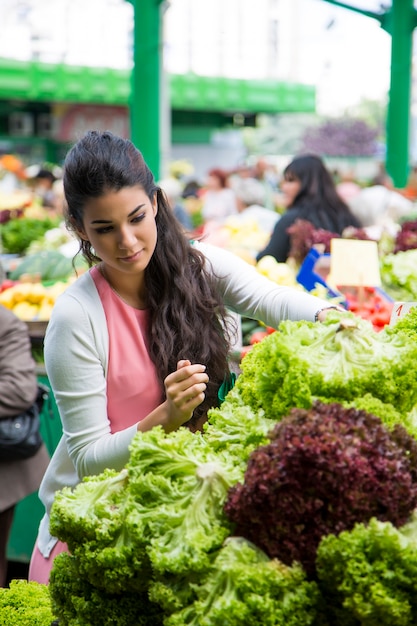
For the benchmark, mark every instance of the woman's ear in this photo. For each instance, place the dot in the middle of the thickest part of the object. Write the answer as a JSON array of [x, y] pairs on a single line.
[[155, 204], [79, 232]]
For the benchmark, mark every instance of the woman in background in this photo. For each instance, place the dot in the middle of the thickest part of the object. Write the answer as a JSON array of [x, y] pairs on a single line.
[[219, 200], [18, 390], [309, 193]]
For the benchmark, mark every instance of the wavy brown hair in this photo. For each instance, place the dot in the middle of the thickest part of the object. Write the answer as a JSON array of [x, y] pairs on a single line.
[[187, 316]]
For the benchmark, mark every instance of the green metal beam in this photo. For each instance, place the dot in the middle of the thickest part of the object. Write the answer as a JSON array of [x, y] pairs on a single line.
[[344, 5]]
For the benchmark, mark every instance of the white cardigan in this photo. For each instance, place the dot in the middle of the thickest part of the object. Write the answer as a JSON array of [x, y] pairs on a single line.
[[76, 350]]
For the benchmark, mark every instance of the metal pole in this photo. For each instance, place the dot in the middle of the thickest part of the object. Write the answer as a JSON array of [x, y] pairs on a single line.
[[398, 116], [145, 103], [399, 21]]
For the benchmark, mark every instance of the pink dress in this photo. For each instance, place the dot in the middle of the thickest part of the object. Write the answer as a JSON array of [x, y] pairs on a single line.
[[133, 388]]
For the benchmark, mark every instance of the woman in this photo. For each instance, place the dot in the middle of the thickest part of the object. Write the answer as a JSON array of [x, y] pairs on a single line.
[[219, 200], [309, 193], [18, 390], [141, 339]]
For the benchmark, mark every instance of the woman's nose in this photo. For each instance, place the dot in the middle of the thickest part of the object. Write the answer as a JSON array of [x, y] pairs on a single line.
[[127, 238]]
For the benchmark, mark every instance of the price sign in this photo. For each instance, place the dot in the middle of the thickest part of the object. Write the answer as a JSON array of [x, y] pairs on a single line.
[[354, 263], [399, 310]]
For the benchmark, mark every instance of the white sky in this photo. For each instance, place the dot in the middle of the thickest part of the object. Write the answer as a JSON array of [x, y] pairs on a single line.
[[345, 54], [349, 60]]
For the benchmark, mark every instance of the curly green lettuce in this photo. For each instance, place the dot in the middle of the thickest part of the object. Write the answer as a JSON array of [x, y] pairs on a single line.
[[77, 602], [236, 429], [25, 604], [243, 586], [368, 575], [161, 515], [342, 359]]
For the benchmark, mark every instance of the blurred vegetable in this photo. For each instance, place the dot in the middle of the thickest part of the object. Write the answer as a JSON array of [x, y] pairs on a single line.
[[18, 234], [46, 265], [406, 238], [373, 306], [398, 275]]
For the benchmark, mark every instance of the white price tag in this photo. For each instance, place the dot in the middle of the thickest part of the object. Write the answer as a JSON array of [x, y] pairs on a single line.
[[399, 310]]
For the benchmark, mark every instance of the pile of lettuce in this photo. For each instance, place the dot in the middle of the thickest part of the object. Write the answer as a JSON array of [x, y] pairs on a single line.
[[151, 545], [398, 275], [324, 470], [295, 505], [341, 360]]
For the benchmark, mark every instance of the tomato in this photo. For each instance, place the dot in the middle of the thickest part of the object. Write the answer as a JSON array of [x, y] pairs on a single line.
[[7, 283], [257, 336], [244, 351]]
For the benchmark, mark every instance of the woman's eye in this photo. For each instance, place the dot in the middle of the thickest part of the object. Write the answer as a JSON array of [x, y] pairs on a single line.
[[103, 229], [138, 218]]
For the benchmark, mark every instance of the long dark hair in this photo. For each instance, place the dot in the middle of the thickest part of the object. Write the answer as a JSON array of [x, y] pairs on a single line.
[[187, 316], [318, 194]]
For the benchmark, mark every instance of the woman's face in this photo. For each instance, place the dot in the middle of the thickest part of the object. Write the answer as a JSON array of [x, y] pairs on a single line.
[[290, 189], [121, 227], [213, 183]]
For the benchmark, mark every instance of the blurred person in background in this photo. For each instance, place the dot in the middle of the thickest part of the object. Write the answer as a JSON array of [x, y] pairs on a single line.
[[309, 193], [251, 197], [18, 390], [267, 175], [218, 200], [380, 205], [347, 187], [173, 190]]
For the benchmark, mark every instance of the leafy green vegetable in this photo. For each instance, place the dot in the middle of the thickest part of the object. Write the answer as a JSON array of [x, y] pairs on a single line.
[[48, 265], [25, 604], [398, 275], [18, 234], [407, 324], [76, 602], [236, 429], [369, 575], [162, 515], [325, 469], [342, 360], [244, 587]]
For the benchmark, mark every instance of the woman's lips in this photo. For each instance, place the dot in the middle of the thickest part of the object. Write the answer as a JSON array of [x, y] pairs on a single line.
[[132, 258]]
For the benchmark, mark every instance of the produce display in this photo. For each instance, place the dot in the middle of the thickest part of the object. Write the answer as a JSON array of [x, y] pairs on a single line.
[[32, 301], [296, 505]]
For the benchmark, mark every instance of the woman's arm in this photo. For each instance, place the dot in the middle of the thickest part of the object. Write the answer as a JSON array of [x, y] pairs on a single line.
[[249, 293], [75, 360]]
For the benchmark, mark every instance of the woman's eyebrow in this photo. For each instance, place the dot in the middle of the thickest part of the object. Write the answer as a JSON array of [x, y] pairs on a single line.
[[138, 208]]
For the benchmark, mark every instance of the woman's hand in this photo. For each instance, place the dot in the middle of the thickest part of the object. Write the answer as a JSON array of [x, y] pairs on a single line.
[[184, 391]]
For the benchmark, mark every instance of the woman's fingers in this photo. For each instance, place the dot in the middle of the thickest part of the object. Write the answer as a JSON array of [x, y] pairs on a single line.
[[185, 388]]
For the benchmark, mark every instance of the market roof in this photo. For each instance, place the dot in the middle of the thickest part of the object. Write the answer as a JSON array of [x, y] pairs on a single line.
[[33, 80]]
